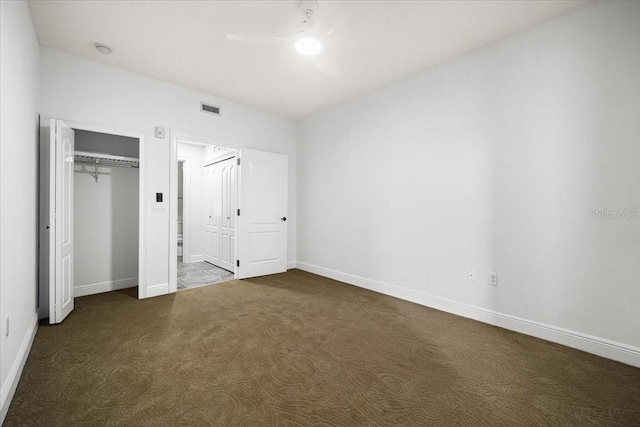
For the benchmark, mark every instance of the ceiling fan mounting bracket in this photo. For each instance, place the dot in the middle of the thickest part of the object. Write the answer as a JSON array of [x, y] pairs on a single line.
[[308, 7]]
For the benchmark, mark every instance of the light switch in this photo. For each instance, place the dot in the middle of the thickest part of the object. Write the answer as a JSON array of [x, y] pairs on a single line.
[[159, 132]]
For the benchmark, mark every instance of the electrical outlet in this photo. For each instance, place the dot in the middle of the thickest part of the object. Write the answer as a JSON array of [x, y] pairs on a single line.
[[471, 275], [493, 278]]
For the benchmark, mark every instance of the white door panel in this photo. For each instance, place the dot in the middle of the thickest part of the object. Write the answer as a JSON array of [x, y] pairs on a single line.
[[262, 227], [227, 222], [56, 258], [211, 231], [220, 208], [64, 139]]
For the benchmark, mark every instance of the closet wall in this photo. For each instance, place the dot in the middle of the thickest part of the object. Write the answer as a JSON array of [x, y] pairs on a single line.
[[106, 217]]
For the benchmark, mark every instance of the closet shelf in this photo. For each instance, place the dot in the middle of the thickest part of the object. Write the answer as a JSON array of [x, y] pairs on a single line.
[[104, 160]]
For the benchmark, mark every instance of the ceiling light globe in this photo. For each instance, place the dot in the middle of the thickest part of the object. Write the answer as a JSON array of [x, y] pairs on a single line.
[[308, 46]]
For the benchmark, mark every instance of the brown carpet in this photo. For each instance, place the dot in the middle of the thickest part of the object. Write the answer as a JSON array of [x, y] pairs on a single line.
[[297, 349]]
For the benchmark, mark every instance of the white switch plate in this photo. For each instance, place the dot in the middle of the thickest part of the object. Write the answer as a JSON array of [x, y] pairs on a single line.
[[159, 133], [493, 278], [471, 275]]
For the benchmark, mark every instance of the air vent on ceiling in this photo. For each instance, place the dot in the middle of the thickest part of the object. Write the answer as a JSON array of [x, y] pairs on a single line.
[[208, 108]]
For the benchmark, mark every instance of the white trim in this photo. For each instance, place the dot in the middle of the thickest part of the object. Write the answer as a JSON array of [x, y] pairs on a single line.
[[13, 377], [178, 136], [191, 137], [157, 290], [599, 346], [98, 288], [186, 206], [197, 258], [142, 185], [291, 265]]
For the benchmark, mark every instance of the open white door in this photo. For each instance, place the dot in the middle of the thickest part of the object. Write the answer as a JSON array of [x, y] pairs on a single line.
[[56, 159], [262, 226]]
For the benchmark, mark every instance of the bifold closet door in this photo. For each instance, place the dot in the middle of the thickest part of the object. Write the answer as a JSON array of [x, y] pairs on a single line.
[[211, 215], [220, 213], [227, 170], [56, 221]]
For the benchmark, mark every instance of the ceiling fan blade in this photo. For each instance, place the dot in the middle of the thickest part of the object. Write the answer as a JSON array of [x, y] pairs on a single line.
[[255, 38], [306, 25], [346, 15], [328, 65]]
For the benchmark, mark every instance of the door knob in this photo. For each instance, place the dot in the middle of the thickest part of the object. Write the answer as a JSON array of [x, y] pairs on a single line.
[[284, 218]]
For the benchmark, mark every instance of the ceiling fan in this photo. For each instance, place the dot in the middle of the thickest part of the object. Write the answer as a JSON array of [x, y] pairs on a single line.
[[307, 40]]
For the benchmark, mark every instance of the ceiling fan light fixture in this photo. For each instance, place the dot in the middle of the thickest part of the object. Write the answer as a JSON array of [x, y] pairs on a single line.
[[308, 46]]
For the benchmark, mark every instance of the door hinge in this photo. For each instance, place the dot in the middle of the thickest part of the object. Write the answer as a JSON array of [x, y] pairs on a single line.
[[238, 161], [238, 263], [238, 212]]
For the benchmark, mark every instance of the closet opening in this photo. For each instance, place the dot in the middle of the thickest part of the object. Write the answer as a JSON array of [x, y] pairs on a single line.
[[206, 216], [91, 217], [105, 213]]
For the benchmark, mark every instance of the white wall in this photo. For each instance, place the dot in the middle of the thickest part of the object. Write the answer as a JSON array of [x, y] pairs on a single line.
[[195, 239], [76, 89], [105, 218], [493, 162], [18, 190]]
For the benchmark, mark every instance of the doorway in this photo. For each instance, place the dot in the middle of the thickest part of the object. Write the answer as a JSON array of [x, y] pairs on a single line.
[[90, 213], [204, 222], [106, 212], [244, 228]]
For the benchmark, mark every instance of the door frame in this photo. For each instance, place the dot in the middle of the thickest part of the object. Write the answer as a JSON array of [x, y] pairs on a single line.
[[186, 208], [179, 136], [142, 185]]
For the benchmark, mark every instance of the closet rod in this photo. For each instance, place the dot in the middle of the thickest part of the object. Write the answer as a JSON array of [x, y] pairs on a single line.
[[105, 160]]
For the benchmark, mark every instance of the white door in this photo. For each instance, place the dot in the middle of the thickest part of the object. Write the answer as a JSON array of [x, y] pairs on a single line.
[[211, 216], [227, 171], [57, 146], [262, 226]]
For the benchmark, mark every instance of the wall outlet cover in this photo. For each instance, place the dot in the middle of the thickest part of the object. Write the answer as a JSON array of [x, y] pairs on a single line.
[[493, 278]]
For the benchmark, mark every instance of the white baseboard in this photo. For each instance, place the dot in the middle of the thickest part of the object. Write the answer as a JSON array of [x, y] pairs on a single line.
[[196, 258], [291, 265], [11, 383], [591, 344], [157, 290], [97, 288]]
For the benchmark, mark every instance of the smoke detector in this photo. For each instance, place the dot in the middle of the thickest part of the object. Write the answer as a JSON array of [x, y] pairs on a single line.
[[103, 48]]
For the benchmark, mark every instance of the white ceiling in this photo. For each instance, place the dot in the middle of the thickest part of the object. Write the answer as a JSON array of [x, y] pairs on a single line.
[[183, 42]]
